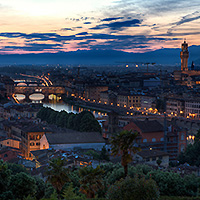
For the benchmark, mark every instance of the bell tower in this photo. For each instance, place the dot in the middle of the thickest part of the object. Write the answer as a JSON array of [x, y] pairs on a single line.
[[184, 56]]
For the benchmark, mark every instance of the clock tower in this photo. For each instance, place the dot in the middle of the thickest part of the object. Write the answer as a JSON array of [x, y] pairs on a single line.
[[184, 56]]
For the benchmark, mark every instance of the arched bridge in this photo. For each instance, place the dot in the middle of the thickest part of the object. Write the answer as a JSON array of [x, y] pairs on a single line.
[[46, 91]]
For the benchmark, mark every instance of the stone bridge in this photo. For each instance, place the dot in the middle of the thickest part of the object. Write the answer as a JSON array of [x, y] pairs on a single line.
[[46, 91], [28, 84]]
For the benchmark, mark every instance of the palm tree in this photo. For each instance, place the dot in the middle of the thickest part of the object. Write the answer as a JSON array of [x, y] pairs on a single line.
[[122, 144], [91, 180], [57, 174]]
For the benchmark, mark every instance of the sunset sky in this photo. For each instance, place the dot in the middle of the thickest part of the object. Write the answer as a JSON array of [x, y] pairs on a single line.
[[35, 26]]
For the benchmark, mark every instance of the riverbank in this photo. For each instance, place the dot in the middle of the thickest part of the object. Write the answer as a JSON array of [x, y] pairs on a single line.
[[83, 104]]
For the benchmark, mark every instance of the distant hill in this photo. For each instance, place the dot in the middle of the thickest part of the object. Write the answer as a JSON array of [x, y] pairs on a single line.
[[100, 57]]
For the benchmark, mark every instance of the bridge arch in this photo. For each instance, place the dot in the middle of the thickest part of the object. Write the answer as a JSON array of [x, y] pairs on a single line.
[[21, 84], [36, 96]]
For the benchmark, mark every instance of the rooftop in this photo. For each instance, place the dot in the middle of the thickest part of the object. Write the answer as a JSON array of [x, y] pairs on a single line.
[[74, 137]]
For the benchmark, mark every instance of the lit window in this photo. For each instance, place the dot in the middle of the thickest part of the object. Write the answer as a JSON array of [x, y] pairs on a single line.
[[182, 136], [32, 144], [153, 139], [32, 137]]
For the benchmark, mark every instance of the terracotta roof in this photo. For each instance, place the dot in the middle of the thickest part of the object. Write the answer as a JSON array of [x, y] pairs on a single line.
[[35, 128], [147, 126], [74, 137], [40, 152], [151, 153]]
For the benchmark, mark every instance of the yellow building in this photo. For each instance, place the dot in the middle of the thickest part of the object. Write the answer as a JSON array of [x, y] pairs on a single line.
[[31, 139]]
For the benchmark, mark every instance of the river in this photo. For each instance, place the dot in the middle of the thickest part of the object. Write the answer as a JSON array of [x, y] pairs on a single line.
[[57, 104]]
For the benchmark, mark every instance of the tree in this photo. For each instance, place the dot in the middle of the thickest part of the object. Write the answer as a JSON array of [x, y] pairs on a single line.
[[15, 168], [22, 185], [159, 162], [133, 189], [122, 144], [90, 180], [104, 154], [40, 188], [68, 193], [169, 183], [5, 175], [89, 124], [70, 123], [191, 154], [57, 174]]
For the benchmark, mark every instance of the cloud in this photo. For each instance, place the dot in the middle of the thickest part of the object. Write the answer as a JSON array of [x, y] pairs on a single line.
[[111, 19], [87, 22], [33, 47], [119, 25], [86, 42], [66, 29], [78, 27], [83, 33], [186, 19]]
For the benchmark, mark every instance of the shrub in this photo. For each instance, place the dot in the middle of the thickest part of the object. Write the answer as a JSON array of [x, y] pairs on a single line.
[[133, 189]]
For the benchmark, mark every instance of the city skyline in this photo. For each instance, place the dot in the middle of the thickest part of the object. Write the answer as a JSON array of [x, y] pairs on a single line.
[[124, 25]]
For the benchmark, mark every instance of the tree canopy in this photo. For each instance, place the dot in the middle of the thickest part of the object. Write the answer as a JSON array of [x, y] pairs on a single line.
[[123, 145], [83, 122]]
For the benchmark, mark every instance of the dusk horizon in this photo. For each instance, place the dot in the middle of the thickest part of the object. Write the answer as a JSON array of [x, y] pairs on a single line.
[[123, 25]]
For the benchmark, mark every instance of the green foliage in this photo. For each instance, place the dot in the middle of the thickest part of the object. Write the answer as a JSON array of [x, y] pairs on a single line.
[[54, 196], [191, 155], [159, 162], [40, 188], [68, 193], [57, 173], [169, 183], [22, 185], [123, 144], [104, 154], [5, 174], [84, 121], [15, 168], [29, 197], [49, 190], [90, 180], [93, 154], [178, 198], [8, 195], [133, 189]]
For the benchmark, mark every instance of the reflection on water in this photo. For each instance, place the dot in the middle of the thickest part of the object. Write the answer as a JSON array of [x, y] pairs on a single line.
[[57, 105], [20, 97]]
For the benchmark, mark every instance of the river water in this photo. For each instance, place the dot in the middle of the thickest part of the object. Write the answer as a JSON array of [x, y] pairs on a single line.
[[57, 104]]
